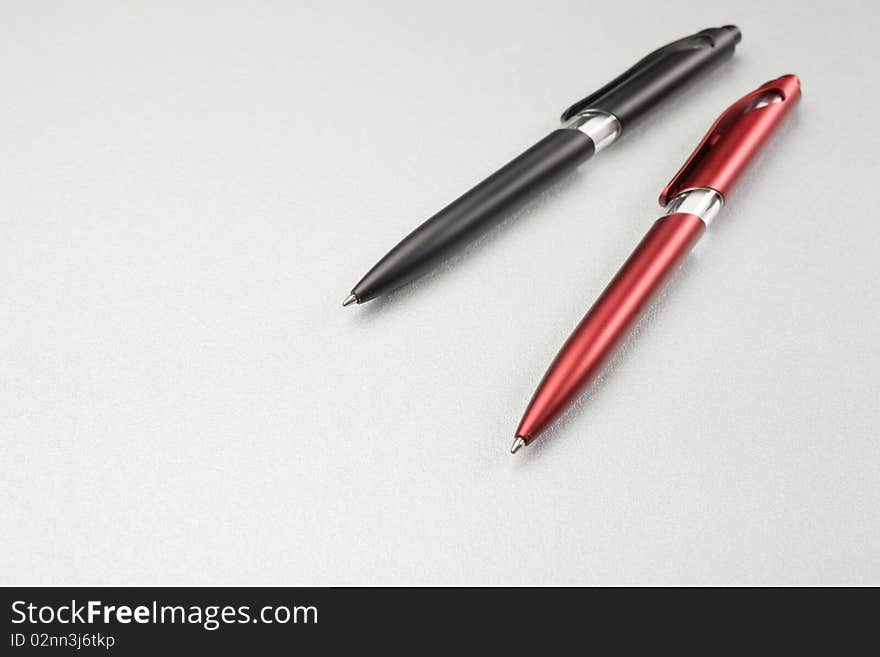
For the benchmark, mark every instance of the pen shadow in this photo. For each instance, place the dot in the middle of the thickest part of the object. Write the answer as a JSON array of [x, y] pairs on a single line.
[[469, 252], [564, 423]]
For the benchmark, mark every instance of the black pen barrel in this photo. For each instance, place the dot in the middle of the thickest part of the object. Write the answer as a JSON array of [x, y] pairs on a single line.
[[476, 211], [589, 125]]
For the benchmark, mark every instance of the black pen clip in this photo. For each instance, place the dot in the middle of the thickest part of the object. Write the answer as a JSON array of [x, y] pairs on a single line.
[[701, 40]]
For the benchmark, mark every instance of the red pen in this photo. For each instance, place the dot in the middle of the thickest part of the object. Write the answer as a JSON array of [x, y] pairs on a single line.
[[692, 199]]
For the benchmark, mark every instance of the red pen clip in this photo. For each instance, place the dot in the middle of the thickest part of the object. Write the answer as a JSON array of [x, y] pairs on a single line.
[[735, 138]]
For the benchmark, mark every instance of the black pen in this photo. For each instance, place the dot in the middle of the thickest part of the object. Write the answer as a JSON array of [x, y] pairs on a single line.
[[588, 126]]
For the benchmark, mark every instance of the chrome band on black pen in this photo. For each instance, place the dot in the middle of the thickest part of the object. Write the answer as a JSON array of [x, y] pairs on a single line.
[[602, 128]]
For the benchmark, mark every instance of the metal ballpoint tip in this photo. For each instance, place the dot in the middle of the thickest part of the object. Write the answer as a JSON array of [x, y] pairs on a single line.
[[350, 299], [517, 444]]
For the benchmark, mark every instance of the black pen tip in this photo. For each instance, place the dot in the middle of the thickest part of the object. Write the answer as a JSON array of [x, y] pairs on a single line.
[[350, 299]]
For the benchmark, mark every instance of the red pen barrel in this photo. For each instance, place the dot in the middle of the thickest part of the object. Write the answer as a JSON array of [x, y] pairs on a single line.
[[594, 340], [691, 198]]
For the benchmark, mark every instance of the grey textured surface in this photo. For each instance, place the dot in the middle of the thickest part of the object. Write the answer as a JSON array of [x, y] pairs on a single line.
[[188, 191]]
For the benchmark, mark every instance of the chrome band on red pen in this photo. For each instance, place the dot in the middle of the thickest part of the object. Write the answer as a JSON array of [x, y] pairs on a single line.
[[702, 202]]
